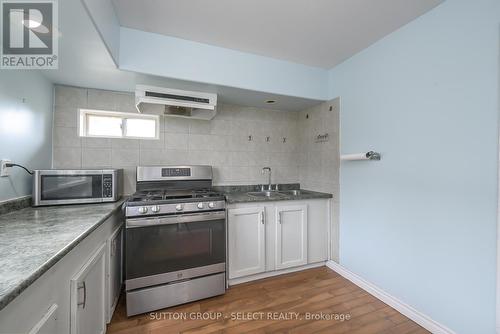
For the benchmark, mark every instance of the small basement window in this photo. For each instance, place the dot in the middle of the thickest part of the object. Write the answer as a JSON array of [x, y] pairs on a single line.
[[111, 124]]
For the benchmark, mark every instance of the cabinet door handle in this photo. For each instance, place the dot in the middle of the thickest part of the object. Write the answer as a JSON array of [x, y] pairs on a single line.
[[279, 217], [262, 218], [84, 287]]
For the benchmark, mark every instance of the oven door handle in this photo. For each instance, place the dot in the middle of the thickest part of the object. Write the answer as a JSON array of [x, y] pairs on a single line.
[[177, 219]]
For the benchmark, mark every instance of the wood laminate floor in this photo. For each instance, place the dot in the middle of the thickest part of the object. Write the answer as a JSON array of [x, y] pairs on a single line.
[[280, 304]]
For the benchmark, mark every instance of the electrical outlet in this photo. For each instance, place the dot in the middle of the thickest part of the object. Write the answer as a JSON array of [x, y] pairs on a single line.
[[4, 170]]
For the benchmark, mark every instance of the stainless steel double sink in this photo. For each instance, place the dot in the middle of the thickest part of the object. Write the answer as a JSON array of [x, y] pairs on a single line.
[[274, 193]]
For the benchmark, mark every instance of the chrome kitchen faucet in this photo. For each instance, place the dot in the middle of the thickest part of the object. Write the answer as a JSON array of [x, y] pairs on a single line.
[[269, 181]]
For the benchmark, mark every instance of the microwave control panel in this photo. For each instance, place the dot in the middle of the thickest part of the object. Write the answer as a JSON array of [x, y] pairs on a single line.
[[107, 185]]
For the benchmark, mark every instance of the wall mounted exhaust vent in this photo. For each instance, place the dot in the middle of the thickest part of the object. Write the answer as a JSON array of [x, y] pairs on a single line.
[[174, 102]]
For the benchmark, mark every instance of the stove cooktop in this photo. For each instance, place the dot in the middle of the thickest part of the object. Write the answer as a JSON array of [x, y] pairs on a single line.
[[161, 196]]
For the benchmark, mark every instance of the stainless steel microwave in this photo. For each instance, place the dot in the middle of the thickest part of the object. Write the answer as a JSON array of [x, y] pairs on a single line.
[[77, 186]]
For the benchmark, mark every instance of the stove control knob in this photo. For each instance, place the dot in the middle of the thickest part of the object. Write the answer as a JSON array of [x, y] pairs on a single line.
[[211, 205], [178, 207], [200, 205], [143, 209], [155, 208]]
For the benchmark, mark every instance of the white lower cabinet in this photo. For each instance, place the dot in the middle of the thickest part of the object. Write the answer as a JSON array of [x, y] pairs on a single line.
[[74, 295], [88, 296], [48, 323], [291, 236], [267, 237], [247, 243]]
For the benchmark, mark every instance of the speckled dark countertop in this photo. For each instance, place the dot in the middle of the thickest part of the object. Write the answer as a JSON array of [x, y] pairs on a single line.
[[33, 239], [239, 194]]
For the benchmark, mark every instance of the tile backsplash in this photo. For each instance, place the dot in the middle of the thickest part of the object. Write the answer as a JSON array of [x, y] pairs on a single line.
[[319, 160], [223, 142]]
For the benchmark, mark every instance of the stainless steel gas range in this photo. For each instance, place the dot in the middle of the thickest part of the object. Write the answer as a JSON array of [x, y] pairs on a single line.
[[175, 238]]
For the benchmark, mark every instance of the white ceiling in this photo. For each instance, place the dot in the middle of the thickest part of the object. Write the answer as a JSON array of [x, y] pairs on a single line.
[[320, 33], [85, 62]]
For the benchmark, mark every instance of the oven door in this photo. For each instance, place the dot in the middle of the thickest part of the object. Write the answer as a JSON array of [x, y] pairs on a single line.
[[172, 248], [67, 187]]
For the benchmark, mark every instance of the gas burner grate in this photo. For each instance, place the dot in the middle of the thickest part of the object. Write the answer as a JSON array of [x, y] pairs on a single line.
[[162, 194]]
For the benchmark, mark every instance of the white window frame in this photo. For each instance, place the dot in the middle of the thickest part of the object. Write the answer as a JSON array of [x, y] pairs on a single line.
[[124, 116]]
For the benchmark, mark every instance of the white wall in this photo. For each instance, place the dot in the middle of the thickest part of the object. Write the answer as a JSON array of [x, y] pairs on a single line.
[[102, 14], [222, 142], [25, 127], [171, 57], [421, 223]]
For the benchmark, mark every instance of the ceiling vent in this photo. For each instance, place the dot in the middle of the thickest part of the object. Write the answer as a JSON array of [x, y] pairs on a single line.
[[175, 102]]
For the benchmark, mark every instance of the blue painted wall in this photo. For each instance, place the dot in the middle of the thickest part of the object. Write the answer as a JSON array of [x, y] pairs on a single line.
[[103, 16], [25, 127], [421, 223], [177, 58]]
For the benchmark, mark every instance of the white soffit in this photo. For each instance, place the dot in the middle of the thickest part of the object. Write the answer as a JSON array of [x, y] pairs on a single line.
[[319, 33]]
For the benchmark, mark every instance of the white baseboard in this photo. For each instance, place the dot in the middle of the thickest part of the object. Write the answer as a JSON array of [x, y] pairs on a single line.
[[405, 309], [239, 280]]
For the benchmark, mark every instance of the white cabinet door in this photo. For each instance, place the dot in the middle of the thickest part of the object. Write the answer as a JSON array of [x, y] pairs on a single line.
[[88, 296], [318, 218], [114, 277], [247, 244], [291, 236], [48, 323]]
